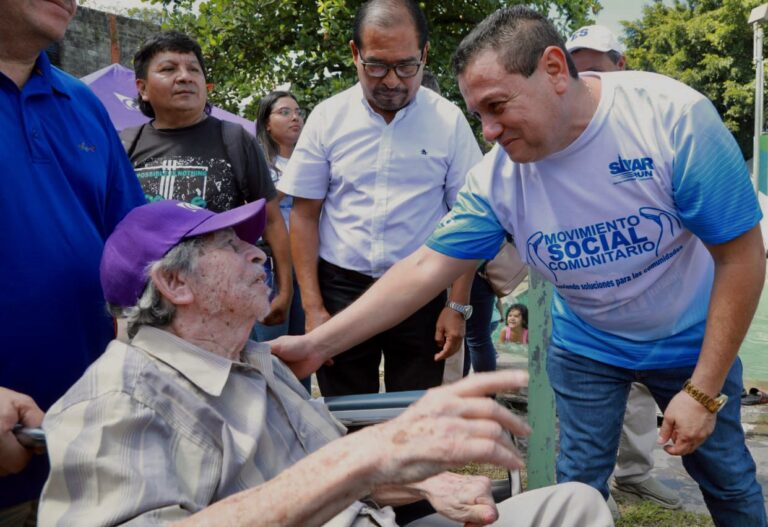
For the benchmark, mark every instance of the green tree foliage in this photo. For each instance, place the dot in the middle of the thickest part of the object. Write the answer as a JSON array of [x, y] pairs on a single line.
[[252, 46], [706, 44]]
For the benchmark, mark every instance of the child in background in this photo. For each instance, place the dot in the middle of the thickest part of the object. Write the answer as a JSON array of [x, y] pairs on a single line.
[[516, 330]]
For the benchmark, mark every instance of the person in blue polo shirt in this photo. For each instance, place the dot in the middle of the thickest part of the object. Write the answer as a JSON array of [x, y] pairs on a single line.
[[66, 183]]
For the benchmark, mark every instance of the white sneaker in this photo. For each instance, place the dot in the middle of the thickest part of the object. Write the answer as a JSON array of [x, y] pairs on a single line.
[[653, 490]]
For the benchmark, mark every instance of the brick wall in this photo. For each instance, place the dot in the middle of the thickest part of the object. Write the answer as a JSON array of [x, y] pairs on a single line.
[[96, 39]]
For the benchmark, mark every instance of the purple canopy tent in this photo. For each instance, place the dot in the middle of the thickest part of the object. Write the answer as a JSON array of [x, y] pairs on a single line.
[[115, 86]]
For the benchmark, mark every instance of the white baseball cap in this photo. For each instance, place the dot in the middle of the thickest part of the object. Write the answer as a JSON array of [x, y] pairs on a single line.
[[599, 38]]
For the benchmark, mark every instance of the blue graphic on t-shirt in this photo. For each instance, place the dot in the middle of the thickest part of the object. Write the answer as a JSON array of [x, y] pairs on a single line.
[[603, 242], [637, 169], [660, 217]]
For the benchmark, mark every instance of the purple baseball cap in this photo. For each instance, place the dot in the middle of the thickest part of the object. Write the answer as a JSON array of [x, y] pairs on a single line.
[[148, 232]]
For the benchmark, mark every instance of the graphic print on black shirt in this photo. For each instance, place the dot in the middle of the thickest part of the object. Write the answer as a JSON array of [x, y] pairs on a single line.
[[187, 164]]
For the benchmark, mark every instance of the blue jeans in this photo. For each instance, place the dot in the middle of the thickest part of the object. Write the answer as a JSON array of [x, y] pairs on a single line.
[[478, 343], [591, 398]]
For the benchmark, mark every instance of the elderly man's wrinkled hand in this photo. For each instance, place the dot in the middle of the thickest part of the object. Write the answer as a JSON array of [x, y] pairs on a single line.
[[687, 424], [450, 426], [15, 408], [461, 498]]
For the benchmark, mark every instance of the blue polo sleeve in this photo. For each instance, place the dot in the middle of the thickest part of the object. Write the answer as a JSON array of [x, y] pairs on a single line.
[[470, 230], [711, 185]]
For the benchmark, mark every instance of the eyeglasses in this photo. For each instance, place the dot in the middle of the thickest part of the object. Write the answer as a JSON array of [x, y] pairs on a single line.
[[378, 70], [287, 112]]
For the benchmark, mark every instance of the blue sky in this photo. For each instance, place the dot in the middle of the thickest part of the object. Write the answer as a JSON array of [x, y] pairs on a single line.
[[615, 10]]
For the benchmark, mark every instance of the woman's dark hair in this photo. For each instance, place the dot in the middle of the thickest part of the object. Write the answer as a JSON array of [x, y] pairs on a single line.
[[523, 313], [165, 41], [266, 107]]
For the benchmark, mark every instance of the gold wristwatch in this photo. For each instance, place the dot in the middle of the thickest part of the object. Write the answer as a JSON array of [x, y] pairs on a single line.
[[714, 405]]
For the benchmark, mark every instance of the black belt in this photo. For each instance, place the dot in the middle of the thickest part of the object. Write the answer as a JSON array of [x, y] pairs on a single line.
[[352, 276]]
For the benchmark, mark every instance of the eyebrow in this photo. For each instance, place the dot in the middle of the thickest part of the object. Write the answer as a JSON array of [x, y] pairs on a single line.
[[374, 58], [506, 95], [169, 60]]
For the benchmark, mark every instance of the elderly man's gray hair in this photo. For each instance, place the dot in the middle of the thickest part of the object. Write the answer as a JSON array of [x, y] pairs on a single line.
[[152, 308]]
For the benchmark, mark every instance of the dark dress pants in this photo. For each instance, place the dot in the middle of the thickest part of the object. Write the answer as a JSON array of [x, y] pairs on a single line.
[[408, 348]]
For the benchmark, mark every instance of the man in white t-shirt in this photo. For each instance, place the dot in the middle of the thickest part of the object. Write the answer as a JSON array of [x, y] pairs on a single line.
[[626, 191], [596, 48], [374, 170]]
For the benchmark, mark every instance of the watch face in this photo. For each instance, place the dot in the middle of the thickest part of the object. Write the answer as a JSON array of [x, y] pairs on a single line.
[[467, 312]]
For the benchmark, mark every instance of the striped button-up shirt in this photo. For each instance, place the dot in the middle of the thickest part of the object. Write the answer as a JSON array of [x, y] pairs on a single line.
[[158, 429]]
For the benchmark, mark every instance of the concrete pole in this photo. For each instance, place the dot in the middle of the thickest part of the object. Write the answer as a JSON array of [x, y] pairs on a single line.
[[541, 399]]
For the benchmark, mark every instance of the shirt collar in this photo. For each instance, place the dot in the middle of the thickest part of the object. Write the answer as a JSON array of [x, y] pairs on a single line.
[[44, 80], [204, 369]]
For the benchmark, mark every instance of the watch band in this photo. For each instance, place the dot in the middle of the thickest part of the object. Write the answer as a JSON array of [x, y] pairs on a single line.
[[464, 310], [713, 404]]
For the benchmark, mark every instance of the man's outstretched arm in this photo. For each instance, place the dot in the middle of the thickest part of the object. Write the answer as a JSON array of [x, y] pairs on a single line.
[[407, 286]]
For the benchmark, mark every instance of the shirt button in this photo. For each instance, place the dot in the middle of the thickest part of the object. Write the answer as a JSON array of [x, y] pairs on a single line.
[[35, 133]]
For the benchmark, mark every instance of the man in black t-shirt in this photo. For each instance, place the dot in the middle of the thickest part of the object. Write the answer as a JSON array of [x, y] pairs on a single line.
[[191, 164], [188, 155]]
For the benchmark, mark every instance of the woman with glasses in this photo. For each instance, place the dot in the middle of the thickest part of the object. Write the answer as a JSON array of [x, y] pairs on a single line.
[[278, 125]]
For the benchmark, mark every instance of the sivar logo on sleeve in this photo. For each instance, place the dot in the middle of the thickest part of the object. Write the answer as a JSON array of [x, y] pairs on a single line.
[[606, 242], [637, 169]]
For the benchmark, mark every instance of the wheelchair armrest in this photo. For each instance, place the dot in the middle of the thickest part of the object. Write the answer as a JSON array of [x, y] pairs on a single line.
[[368, 401], [355, 411]]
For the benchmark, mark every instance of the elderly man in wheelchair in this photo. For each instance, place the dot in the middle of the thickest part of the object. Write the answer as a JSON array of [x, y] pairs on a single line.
[[191, 423]]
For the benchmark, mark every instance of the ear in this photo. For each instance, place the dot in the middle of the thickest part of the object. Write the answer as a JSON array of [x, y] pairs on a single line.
[[355, 51], [621, 63], [173, 285], [554, 65], [426, 52], [141, 85]]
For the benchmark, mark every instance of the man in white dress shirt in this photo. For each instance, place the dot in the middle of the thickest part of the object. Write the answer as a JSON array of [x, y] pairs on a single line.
[[374, 170]]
